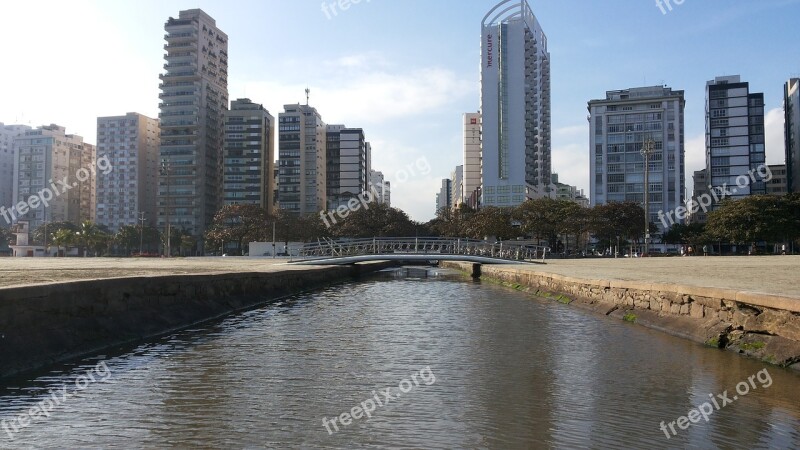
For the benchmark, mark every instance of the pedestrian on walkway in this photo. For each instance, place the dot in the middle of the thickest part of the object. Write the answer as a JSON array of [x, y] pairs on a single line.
[[705, 250]]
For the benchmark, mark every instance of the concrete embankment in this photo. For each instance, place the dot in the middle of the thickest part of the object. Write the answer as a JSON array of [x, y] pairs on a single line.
[[46, 324], [762, 326]]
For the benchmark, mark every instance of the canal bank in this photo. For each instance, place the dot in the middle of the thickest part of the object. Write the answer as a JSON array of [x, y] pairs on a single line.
[[760, 325], [44, 324]]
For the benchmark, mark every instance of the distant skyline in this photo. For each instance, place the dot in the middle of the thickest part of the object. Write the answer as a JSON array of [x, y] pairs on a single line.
[[405, 71]]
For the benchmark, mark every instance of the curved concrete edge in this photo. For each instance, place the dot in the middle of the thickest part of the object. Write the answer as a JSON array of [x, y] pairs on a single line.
[[54, 323], [763, 326]]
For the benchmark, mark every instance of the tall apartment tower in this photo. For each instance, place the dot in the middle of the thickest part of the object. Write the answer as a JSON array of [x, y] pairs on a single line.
[[457, 186], [130, 144], [472, 157], [444, 199], [8, 158], [515, 106], [380, 187], [47, 156], [700, 181], [301, 160], [620, 125], [791, 107], [347, 173], [194, 97], [734, 136], [249, 155]]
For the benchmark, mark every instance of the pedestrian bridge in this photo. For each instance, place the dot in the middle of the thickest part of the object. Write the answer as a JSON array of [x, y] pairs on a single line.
[[353, 251]]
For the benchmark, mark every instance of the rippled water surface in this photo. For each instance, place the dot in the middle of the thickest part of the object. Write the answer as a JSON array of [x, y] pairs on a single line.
[[511, 371]]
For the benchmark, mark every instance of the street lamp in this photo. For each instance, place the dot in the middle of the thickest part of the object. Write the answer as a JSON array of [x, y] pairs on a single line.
[[165, 172], [141, 233], [647, 150]]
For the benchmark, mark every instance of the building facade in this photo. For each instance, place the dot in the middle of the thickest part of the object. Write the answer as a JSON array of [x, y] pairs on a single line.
[[302, 187], [444, 199], [791, 107], [381, 187], [779, 184], [249, 155], [457, 187], [735, 141], [130, 144], [620, 126], [515, 106], [472, 157], [47, 158], [8, 158], [194, 97], [347, 165], [699, 192]]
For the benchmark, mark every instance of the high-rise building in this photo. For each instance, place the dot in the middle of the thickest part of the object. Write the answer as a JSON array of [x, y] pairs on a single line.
[[62, 164], [249, 158], [698, 194], [194, 97], [734, 137], [444, 200], [779, 183], [129, 143], [791, 107], [381, 187], [302, 160], [472, 157], [515, 106], [620, 126], [347, 160], [8, 157], [457, 187]]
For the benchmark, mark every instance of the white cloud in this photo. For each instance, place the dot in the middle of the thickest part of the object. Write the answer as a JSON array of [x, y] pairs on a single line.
[[774, 130]]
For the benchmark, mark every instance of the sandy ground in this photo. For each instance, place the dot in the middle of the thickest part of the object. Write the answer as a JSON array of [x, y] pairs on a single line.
[[775, 275]]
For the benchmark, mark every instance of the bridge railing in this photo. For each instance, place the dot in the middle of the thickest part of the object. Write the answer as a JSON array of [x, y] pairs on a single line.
[[507, 250]]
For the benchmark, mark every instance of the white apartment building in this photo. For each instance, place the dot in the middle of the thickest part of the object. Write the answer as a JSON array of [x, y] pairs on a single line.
[[46, 157], [302, 160], [130, 143], [8, 157], [620, 126], [472, 157], [194, 97], [381, 186], [515, 106], [457, 187]]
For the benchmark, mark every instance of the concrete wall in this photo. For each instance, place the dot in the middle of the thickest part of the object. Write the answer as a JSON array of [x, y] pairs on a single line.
[[759, 325], [44, 325]]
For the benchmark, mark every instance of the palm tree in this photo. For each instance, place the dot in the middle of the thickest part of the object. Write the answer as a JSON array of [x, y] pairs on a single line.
[[63, 238], [87, 235]]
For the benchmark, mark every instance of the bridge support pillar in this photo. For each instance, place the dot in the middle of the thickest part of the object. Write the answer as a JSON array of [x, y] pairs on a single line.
[[476, 271]]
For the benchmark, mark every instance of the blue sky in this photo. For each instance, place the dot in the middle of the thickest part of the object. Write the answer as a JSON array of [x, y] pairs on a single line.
[[404, 70]]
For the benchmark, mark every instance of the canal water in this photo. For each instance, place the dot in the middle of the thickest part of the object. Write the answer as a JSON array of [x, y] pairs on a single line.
[[466, 365]]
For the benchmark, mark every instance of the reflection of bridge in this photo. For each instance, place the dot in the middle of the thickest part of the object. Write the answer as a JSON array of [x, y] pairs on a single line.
[[419, 249]]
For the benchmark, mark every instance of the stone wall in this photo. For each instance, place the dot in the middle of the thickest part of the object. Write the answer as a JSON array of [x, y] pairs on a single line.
[[44, 325], [759, 325]]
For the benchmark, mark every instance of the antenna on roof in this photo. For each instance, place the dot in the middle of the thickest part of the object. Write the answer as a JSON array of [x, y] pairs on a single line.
[[308, 95]]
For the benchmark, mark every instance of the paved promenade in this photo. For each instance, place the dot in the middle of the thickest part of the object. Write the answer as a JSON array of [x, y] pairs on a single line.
[[779, 275]]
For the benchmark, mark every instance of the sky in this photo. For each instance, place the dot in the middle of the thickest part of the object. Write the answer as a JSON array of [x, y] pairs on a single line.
[[403, 70]]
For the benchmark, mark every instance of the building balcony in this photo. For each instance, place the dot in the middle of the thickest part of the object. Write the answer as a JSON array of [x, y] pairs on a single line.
[[180, 47], [179, 76], [175, 36]]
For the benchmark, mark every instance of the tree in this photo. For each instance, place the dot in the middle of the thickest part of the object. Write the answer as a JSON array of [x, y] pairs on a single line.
[[188, 242], [64, 238], [5, 237], [451, 223], [379, 220], [37, 237], [128, 238], [491, 221], [92, 238], [617, 220], [236, 223], [752, 219]]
